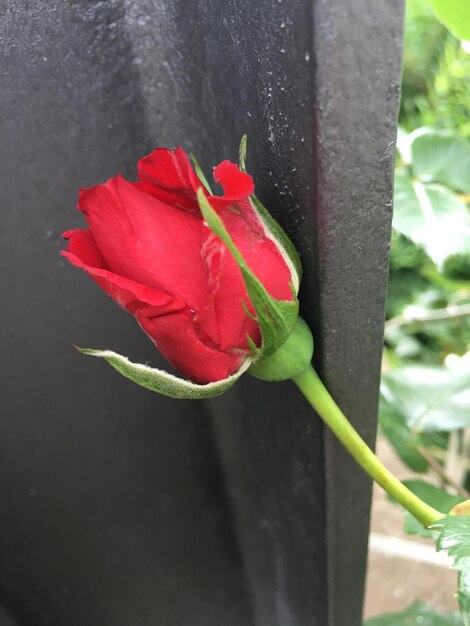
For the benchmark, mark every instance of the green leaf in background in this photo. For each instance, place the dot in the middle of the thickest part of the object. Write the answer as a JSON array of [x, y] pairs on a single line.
[[455, 15], [432, 217], [424, 40], [432, 180], [393, 425], [441, 157], [463, 595], [426, 310], [411, 526], [454, 537], [435, 87], [416, 614], [432, 495], [406, 282], [430, 398], [457, 267], [403, 145]]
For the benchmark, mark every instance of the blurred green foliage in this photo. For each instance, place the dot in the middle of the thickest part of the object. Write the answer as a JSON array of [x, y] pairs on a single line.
[[436, 70], [418, 613], [428, 305], [425, 392]]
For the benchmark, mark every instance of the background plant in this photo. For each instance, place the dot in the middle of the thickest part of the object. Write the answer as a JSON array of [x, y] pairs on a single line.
[[425, 392]]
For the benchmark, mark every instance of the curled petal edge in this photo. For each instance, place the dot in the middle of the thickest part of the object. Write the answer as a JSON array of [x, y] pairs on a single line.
[[164, 383]]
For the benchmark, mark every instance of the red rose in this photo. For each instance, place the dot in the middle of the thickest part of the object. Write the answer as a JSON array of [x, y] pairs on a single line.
[[148, 247]]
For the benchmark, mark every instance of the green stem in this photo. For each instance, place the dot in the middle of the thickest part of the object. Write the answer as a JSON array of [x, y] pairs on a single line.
[[318, 396]]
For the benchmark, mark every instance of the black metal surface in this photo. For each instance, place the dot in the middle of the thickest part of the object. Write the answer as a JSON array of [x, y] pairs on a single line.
[[121, 508], [357, 90]]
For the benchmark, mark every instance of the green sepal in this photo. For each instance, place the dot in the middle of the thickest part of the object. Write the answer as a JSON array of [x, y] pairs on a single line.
[[274, 230], [242, 153], [162, 382], [276, 318], [200, 173], [278, 234], [290, 360], [248, 313], [253, 347]]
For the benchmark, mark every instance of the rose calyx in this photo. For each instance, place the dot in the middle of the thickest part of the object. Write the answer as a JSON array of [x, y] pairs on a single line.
[[290, 360]]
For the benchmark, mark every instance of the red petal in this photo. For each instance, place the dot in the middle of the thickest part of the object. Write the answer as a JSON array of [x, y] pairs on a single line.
[[237, 185], [83, 252], [145, 240], [165, 319], [223, 317], [169, 176], [176, 337], [82, 244], [259, 251]]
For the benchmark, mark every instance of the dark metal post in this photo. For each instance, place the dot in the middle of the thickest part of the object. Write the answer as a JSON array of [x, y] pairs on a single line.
[[124, 508]]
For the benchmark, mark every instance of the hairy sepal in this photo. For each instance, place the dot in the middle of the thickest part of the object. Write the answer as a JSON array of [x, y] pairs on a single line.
[[162, 382], [278, 235]]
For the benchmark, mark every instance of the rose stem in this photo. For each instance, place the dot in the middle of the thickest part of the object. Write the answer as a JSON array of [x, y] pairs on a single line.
[[318, 396]]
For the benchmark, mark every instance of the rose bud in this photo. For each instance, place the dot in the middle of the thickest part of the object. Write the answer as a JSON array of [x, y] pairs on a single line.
[[190, 266]]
